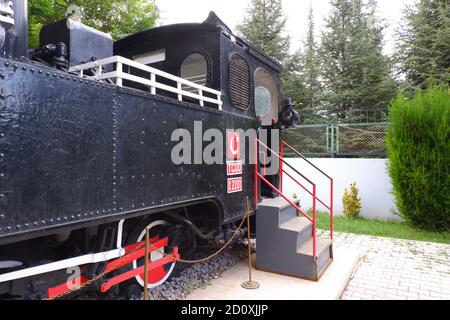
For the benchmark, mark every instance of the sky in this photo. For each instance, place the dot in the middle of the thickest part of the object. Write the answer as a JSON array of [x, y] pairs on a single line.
[[296, 11]]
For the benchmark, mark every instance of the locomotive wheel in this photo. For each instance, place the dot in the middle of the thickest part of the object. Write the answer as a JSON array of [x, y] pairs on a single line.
[[161, 228]]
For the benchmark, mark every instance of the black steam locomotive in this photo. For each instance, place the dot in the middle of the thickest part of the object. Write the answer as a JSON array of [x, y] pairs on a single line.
[[87, 142]]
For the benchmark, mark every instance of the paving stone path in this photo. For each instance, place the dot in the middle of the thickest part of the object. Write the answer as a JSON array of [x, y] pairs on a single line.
[[397, 269]]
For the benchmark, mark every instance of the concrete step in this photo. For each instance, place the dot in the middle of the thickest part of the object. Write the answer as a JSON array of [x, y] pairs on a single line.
[[284, 209], [296, 224], [306, 248], [324, 253], [284, 242], [302, 228], [277, 202]]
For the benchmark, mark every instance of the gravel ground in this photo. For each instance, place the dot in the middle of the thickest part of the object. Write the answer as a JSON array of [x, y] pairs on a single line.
[[197, 275]]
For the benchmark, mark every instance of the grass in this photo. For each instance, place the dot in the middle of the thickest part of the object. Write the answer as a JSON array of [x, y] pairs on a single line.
[[380, 228]]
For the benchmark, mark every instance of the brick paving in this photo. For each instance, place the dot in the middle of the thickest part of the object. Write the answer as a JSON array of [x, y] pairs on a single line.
[[397, 269]]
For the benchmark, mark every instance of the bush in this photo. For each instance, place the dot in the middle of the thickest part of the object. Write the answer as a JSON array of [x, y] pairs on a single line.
[[351, 202], [418, 142]]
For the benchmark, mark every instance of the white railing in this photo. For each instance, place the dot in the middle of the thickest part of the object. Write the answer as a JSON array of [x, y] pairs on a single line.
[[194, 90]]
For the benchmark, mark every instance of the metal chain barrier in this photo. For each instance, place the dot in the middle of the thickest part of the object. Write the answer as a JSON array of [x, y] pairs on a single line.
[[222, 248], [102, 274], [96, 278]]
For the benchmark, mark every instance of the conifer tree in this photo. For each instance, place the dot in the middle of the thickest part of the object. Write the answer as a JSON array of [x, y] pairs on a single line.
[[292, 84], [264, 26], [310, 69], [355, 72], [424, 43]]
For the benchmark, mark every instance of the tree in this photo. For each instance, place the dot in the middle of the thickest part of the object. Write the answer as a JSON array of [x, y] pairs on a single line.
[[310, 70], [423, 43], [292, 84], [301, 77], [355, 73], [264, 26], [419, 157], [41, 13], [117, 17]]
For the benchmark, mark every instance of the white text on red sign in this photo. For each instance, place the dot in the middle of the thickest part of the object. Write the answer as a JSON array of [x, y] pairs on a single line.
[[234, 168], [234, 185]]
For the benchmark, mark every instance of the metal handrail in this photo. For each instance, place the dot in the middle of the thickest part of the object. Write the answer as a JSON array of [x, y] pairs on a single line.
[[313, 220], [304, 158], [330, 206], [118, 74], [284, 197], [292, 178], [284, 161]]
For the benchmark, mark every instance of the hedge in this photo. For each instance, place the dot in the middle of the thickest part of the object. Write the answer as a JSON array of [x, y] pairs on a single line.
[[418, 143]]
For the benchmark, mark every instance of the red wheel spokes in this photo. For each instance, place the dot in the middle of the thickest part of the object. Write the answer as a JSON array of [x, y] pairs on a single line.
[[156, 268], [141, 244]]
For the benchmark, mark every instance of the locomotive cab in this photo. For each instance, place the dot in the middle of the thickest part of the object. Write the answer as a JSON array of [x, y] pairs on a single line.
[[209, 54]]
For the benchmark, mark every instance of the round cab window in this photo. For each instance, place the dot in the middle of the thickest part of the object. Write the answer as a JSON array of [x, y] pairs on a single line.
[[263, 101], [266, 97], [195, 69]]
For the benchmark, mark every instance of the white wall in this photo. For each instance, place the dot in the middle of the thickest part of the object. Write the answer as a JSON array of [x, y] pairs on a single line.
[[370, 175]]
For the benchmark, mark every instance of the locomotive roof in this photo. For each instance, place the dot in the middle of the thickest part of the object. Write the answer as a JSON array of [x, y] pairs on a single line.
[[212, 23]]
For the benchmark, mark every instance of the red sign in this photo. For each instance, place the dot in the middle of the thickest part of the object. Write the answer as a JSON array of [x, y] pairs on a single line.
[[234, 168], [233, 145], [234, 185]]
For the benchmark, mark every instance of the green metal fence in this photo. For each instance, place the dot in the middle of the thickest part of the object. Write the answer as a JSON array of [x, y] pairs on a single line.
[[339, 140]]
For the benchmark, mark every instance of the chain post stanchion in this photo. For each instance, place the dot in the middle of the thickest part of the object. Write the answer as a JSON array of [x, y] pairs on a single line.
[[147, 243], [250, 284]]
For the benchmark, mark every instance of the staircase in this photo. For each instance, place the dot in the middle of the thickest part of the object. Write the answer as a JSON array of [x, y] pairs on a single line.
[[284, 242], [286, 235]]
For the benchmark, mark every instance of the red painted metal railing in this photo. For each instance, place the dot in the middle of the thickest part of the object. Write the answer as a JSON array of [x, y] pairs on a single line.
[[283, 163], [329, 206]]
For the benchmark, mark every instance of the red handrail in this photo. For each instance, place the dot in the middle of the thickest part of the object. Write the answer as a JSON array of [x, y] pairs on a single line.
[[283, 143], [284, 197], [311, 193], [261, 177], [284, 161], [330, 207]]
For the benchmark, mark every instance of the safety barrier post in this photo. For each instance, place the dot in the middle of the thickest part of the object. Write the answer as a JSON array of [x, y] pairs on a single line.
[[250, 284]]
